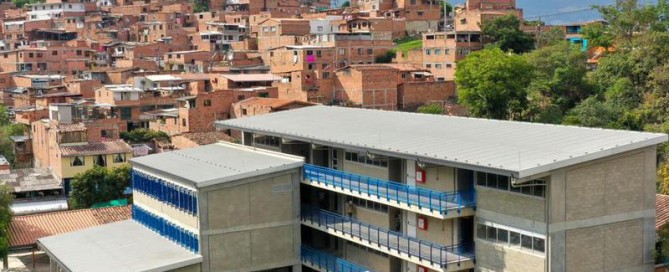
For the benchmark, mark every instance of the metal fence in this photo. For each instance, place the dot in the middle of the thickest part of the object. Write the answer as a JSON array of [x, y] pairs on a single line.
[[329, 262], [392, 191], [437, 255]]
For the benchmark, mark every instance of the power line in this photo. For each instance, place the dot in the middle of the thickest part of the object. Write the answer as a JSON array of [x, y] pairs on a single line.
[[560, 13]]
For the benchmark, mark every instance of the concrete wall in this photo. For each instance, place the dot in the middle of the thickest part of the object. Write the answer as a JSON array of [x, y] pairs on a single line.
[[515, 205], [252, 224], [438, 231], [364, 169], [602, 214], [439, 178], [375, 218], [491, 257], [370, 260]]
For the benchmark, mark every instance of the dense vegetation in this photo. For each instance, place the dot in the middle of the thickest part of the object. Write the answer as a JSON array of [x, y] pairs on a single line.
[[143, 135], [99, 184], [7, 129]]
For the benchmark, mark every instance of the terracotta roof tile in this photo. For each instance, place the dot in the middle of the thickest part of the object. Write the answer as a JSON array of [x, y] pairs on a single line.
[[71, 127], [661, 210], [26, 229], [110, 147], [205, 138]]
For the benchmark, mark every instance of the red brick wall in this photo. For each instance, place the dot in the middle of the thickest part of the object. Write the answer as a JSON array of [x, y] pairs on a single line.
[[415, 94]]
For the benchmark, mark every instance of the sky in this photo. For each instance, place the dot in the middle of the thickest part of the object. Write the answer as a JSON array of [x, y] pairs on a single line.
[[568, 9]]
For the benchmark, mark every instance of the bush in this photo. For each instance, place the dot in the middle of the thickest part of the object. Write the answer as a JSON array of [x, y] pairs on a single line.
[[143, 135]]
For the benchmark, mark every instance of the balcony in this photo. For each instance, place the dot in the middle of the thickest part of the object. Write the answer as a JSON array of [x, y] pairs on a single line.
[[437, 204], [323, 262], [438, 257]]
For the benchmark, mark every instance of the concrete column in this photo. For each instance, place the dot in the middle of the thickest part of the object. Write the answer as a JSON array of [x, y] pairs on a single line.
[[555, 201], [410, 218]]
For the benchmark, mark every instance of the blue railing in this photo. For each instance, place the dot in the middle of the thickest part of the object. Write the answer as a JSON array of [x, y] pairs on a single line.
[[167, 229], [437, 255], [441, 202], [328, 262], [166, 192]]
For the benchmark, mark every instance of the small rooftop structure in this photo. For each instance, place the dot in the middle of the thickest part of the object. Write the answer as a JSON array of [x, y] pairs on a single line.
[[251, 77], [216, 163], [122, 88], [119, 246], [26, 229], [518, 149], [30, 179]]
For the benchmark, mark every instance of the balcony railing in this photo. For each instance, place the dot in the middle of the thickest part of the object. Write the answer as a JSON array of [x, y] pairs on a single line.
[[435, 201], [326, 262], [391, 242]]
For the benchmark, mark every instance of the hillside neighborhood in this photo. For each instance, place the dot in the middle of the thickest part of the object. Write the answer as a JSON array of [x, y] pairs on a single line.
[[332, 136]]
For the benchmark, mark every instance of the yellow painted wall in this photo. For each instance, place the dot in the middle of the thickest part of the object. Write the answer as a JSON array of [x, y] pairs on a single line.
[[68, 171]]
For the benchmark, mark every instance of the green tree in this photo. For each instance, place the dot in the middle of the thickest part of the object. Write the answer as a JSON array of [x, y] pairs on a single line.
[[597, 34], [504, 32], [433, 108], [492, 84], [6, 199], [627, 18], [22, 3], [143, 135], [553, 36], [99, 184], [346, 4], [559, 75]]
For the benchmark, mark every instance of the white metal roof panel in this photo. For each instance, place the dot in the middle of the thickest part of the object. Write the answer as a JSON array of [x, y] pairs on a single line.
[[216, 163], [517, 148], [119, 246]]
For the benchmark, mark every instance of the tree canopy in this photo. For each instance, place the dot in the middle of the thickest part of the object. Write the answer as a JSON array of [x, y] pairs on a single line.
[[504, 32], [99, 184], [6, 199], [143, 135], [493, 84]]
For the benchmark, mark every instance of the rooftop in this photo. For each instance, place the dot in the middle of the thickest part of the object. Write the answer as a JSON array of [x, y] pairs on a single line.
[[119, 246], [30, 179], [111, 147], [216, 163], [519, 149], [26, 229], [251, 77], [661, 210]]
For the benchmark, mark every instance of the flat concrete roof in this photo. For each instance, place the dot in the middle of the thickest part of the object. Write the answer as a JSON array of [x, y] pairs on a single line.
[[519, 149], [119, 246], [216, 163]]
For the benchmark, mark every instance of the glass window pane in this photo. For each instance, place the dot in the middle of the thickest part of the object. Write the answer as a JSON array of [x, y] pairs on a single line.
[[492, 233], [526, 242], [526, 190], [480, 178], [515, 189], [539, 191], [480, 231], [538, 244], [514, 238], [503, 236], [503, 182], [348, 156], [492, 180]]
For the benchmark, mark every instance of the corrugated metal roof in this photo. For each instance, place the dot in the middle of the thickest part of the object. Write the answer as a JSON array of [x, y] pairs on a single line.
[[516, 148], [118, 246], [216, 163], [111, 147], [26, 229], [251, 77]]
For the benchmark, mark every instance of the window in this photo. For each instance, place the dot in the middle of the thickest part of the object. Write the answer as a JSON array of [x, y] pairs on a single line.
[[341, 52], [241, 97], [359, 51], [268, 140], [437, 65], [437, 51], [54, 53], [319, 53], [370, 51], [78, 52], [363, 158], [420, 13], [428, 65], [101, 160], [312, 66], [30, 55], [427, 52], [207, 102], [77, 161], [183, 122], [532, 188], [119, 158], [505, 237], [326, 74], [368, 204]]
